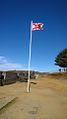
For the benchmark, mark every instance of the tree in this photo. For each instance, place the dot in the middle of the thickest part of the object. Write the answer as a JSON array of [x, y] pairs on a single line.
[[61, 59]]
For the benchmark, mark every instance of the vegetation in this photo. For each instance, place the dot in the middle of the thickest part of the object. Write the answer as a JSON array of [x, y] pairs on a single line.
[[58, 75], [61, 59]]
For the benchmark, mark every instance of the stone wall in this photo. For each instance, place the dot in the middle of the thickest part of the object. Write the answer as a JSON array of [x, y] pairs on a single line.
[[13, 76]]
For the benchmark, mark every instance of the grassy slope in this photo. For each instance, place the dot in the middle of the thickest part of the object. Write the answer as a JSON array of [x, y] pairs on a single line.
[[56, 81], [58, 75]]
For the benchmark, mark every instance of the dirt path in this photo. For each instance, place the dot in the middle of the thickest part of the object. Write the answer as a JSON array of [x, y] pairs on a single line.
[[46, 100]]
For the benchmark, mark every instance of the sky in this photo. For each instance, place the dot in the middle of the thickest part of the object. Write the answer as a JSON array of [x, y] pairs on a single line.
[[15, 19]]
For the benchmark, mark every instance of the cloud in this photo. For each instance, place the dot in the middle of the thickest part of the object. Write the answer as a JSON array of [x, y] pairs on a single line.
[[5, 65], [2, 60]]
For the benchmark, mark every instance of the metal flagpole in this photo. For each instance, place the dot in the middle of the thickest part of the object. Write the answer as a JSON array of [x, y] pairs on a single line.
[[29, 60]]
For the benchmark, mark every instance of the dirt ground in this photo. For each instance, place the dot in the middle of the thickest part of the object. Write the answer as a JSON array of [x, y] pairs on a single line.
[[47, 100]]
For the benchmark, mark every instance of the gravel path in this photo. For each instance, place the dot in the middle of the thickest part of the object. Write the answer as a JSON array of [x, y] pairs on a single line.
[[43, 102]]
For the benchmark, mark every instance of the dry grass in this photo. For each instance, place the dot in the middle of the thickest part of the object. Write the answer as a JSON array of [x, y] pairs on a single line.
[[58, 75]]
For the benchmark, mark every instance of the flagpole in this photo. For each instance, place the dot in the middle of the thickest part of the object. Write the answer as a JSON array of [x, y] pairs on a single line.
[[29, 60]]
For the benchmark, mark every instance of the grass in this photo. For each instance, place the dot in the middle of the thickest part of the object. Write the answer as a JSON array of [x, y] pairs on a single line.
[[58, 75]]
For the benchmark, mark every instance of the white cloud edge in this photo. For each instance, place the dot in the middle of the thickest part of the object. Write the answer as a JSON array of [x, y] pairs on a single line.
[[6, 65]]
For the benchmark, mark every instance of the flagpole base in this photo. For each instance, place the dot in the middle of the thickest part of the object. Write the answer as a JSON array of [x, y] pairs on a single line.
[[28, 87]]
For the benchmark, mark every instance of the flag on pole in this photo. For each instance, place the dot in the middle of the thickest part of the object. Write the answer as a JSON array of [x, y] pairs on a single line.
[[37, 26], [34, 26]]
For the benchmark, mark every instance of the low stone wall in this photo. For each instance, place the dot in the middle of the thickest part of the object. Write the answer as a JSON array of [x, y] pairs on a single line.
[[4, 101], [9, 77], [13, 76]]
